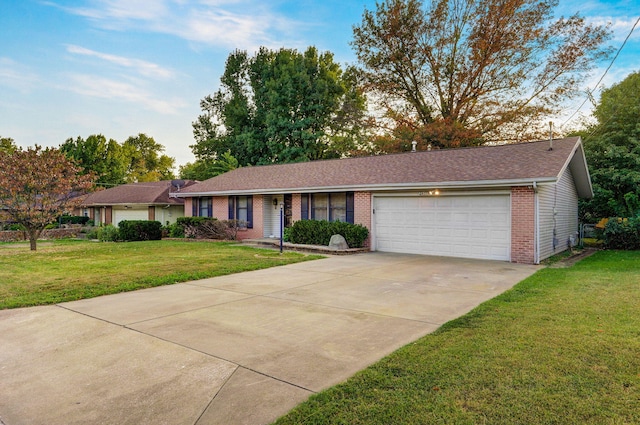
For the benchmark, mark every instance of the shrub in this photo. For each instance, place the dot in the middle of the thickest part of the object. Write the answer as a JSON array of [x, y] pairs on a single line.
[[73, 219], [174, 230], [140, 230], [319, 232], [622, 233], [108, 233]]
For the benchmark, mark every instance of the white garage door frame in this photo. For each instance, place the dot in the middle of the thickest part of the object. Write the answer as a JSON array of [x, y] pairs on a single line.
[[486, 235]]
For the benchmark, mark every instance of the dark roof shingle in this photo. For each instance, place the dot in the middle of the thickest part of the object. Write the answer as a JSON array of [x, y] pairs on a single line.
[[512, 162], [137, 193]]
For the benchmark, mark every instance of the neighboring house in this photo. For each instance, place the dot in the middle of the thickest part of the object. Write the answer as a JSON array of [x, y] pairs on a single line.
[[136, 201], [516, 202]]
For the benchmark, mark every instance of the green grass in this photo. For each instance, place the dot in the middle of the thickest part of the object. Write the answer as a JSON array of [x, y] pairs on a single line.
[[561, 347], [72, 270]]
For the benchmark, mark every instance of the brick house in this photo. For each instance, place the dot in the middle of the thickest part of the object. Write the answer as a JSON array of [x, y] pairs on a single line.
[[136, 201], [516, 202]]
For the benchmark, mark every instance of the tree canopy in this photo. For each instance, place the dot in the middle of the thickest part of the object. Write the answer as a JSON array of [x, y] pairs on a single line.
[[280, 106], [8, 145], [612, 148], [139, 158], [38, 185], [461, 72]]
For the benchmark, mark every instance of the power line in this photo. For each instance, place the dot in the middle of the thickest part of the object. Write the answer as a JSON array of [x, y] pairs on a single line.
[[590, 93]]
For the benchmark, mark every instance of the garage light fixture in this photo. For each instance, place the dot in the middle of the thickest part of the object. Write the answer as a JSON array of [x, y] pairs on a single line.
[[434, 192]]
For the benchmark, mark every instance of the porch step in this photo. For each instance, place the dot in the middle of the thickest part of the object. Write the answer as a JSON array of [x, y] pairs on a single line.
[[318, 249]]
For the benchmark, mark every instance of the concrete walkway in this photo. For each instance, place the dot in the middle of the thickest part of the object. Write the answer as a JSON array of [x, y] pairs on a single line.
[[239, 349]]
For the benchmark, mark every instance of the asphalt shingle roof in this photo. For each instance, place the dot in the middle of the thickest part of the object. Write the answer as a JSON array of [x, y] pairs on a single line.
[[512, 162], [137, 193]]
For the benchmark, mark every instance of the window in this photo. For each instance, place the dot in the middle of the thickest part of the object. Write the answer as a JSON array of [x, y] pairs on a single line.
[[241, 209], [327, 206], [202, 207]]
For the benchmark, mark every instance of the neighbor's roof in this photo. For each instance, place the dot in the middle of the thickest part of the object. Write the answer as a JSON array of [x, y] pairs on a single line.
[[487, 166], [148, 193]]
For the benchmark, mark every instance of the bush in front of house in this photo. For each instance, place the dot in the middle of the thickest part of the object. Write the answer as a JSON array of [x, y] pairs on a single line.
[[73, 219], [207, 228], [319, 232], [622, 233], [108, 233], [140, 230]]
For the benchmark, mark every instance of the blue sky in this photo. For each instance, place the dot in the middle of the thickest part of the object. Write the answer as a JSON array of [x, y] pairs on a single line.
[[123, 67]]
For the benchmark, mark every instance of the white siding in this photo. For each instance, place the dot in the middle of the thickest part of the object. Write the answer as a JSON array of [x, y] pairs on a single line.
[[558, 212], [170, 214]]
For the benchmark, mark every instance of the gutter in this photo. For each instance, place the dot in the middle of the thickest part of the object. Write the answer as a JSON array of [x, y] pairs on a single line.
[[370, 188]]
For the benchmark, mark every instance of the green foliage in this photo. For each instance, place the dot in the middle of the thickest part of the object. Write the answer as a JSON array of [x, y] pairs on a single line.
[[612, 149], [105, 158], [140, 230], [108, 233], [73, 219], [8, 145], [145, 162], [280, 106], [138, 159], [174, 230], [622, 233], [319, 232], [203, 169]]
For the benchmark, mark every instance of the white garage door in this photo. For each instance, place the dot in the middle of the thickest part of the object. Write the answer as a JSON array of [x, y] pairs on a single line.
[[131, 214], [475, 226]]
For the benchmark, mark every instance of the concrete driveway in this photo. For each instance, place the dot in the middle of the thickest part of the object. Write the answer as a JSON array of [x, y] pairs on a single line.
[[239, 349]]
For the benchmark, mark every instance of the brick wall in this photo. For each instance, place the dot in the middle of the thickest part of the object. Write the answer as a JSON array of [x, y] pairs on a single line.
[[17, 235], [220, 207], [362, 212], [296, 207], [522, 225]]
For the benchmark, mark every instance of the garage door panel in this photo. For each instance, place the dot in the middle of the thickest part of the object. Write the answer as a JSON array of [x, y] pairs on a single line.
[[475, 226]]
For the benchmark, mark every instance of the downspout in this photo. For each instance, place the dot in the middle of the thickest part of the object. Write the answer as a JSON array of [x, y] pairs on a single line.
[[536, 232]]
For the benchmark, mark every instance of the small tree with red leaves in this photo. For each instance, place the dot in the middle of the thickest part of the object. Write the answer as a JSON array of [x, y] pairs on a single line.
[[37, 186]]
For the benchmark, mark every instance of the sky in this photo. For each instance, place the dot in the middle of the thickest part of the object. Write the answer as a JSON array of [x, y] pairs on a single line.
[[72, 68]]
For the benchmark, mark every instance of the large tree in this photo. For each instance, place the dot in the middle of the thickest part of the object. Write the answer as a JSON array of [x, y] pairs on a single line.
[[145, 161], [38, 185], [280, 106], [456, 72], [612, 148], [105, 158]]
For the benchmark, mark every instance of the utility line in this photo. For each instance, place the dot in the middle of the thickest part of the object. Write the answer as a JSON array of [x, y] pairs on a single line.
[[590, 93]]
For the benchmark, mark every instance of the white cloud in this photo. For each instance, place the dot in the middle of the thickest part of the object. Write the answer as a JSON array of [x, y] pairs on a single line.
[[105, 88], [243, 24], [147, 69], [17, 76]]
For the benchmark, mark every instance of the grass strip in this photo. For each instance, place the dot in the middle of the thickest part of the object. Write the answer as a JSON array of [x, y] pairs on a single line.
[[72, 270]]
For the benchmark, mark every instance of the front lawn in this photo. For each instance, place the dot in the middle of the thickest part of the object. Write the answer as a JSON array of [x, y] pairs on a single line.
[[71, 270], [561, 347]]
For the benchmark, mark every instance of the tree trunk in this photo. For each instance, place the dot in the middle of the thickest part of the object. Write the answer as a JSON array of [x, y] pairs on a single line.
[[34, 234]]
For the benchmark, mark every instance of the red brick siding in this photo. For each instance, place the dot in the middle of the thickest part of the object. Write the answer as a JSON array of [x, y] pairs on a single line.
[[188, 207], [362, 211], [522, 225], [296, 207], [220, 207]]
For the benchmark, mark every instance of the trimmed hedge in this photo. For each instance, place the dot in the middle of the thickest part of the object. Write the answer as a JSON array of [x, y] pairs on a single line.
[[319, 232], [73, 219], [140, 230], [622, 233]]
